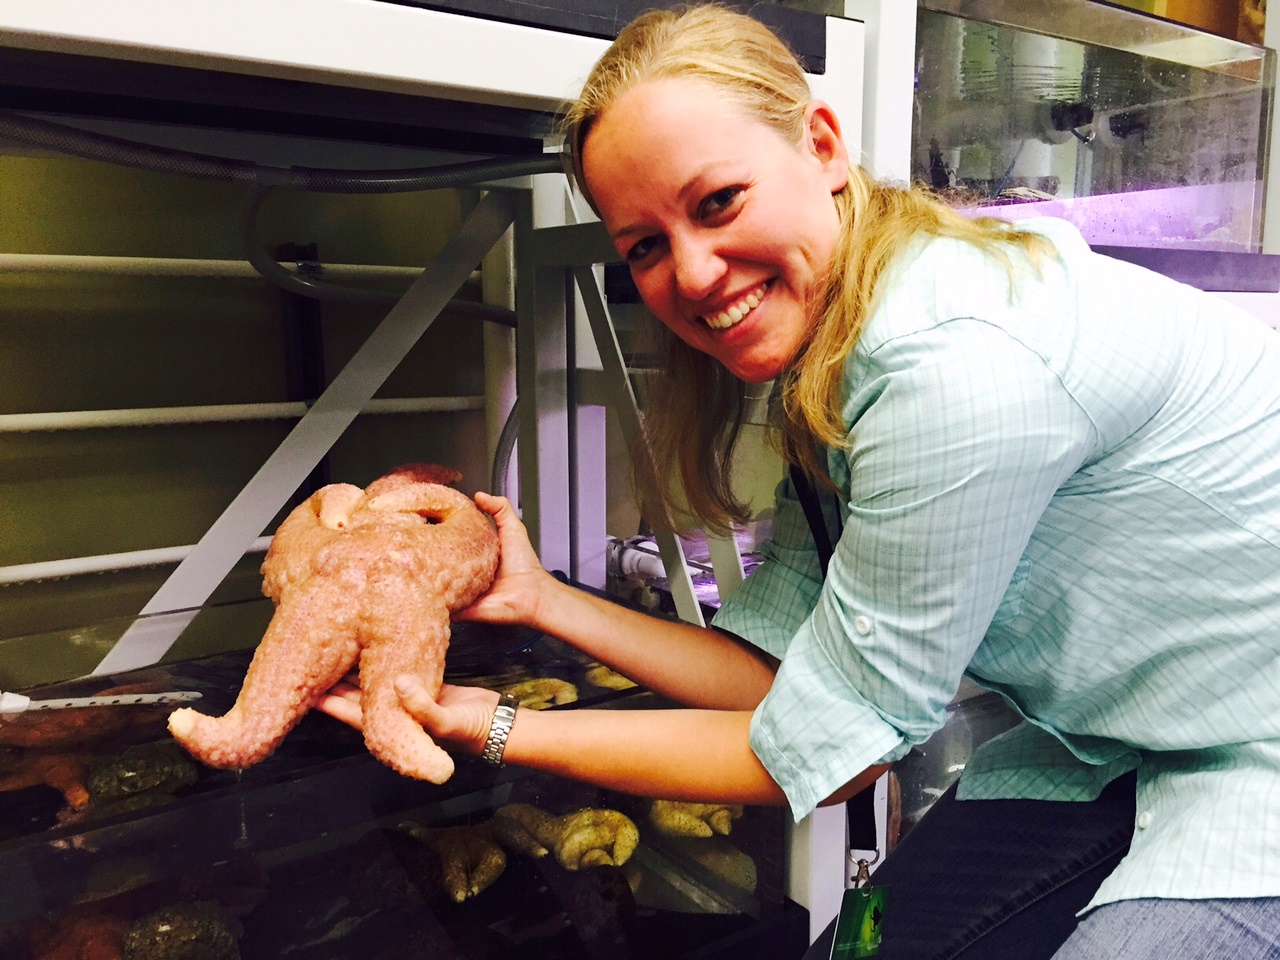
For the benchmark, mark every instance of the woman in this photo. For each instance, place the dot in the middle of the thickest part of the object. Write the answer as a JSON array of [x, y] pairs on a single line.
[[1055, 473]]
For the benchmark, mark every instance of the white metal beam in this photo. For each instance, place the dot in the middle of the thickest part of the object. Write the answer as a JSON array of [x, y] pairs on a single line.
[[366, 44]]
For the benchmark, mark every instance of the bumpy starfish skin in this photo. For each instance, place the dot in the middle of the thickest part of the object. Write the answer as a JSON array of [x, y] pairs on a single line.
[[358, 576]]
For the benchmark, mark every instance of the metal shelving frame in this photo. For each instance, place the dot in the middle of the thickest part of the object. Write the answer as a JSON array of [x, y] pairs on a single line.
[[567, 373]]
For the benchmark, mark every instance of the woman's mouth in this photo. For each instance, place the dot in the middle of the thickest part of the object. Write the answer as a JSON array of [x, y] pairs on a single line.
[[736, 311]]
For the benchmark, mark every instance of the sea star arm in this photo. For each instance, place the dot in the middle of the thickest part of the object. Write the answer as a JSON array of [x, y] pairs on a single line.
[[308, 647]]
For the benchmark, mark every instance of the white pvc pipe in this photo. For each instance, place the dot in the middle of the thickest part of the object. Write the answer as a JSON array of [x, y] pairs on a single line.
[[104, 563], [167, 416], [181, 267]]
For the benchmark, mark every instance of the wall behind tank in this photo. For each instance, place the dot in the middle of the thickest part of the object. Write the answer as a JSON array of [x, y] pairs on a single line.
[[73, 342]]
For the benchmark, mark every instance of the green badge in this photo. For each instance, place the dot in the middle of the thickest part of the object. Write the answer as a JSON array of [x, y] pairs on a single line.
[[859, 924]]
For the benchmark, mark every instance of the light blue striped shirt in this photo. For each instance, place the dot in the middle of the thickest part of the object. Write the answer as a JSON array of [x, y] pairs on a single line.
[[1071, 494]]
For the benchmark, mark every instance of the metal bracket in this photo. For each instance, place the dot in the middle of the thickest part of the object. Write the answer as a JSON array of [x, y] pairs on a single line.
[[618, 386]]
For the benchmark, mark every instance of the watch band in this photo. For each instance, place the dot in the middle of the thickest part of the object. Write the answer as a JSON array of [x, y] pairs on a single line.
[[504, 717]]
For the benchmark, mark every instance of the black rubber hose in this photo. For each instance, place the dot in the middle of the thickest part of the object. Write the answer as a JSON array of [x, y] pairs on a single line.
[[90, 145], [286, 279], [98, 146], [503, 452]]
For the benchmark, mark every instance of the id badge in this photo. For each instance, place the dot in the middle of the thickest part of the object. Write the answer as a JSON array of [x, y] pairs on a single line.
[[859, 923]]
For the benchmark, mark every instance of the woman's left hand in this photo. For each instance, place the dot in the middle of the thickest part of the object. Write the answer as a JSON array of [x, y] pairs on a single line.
[[458, 717], [342, 702]]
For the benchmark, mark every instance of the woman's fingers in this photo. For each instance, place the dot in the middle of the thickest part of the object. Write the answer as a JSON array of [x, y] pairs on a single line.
[[494, 506], [342, 703], [458, 715], [348, 686], [514, 538], [504, 515], [413, 694], [514, 595]]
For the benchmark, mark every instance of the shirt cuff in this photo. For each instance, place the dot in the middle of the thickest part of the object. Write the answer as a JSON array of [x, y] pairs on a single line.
[[814, 740]]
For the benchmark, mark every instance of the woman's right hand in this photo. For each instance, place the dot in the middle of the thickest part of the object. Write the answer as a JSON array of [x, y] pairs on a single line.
[[520, 586], [457, 716]]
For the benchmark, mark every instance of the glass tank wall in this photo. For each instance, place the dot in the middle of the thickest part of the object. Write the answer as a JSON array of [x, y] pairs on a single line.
[[1141, 131], [113, 839]]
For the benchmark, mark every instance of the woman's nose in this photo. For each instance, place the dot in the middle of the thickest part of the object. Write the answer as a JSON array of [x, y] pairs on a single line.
[[698, 268]]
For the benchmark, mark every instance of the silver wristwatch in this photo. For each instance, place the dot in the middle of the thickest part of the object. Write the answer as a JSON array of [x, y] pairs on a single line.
[[504, 717]]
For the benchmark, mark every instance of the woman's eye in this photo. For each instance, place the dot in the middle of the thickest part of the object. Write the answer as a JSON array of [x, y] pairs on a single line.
[[718, 202], [641, 249]]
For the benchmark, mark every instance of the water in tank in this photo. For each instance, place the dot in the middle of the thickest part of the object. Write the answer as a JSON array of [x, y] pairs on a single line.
[[1141, 131]]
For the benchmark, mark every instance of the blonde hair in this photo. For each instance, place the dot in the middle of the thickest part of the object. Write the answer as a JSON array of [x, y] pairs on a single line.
[[750, 65]]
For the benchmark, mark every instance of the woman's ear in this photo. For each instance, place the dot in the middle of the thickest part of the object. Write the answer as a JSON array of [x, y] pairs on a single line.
[[824, 140]]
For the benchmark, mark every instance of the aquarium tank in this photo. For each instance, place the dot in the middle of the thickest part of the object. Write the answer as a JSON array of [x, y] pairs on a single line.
[[1139, 130]]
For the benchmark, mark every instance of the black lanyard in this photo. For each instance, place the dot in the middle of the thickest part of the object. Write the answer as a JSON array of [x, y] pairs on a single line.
[[813, 514]]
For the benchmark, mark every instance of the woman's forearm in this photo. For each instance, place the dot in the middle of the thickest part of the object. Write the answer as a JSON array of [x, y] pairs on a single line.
[[693, 665], [703, 756], [698, 755]]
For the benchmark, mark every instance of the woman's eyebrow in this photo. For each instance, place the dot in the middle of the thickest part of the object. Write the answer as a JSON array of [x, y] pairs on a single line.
[[638, 228], [692, 185], [698, 176]]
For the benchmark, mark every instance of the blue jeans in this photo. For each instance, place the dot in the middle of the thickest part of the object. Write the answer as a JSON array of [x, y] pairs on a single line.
[[1004, 879], [1203, 929]]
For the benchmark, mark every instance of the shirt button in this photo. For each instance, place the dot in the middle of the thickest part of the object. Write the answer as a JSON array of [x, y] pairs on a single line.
[[1144, 819], [862, 625]]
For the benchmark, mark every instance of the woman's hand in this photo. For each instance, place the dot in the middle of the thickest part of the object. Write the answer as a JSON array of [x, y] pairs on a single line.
[[459, 717], [342, 702], [520, 585]]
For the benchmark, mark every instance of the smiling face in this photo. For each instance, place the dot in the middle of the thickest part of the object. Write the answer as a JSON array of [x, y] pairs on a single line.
[[728, 228]]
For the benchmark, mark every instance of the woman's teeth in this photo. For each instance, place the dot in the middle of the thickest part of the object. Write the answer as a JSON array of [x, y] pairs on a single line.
[[734, 314]]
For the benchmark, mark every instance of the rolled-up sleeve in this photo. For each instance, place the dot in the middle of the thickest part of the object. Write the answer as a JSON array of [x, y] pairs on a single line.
[[960, 435]]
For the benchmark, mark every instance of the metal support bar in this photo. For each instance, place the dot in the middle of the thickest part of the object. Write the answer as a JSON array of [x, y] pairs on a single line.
[[572, 245], [624, 403], [195, 579], [216, 413], [544, 361], [726, 561], [63, 263]]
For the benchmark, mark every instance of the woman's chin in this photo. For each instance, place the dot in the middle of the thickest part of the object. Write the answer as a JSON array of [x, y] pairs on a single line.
[[756, 372]]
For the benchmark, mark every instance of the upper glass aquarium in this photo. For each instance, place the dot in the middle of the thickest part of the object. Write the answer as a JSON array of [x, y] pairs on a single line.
[[1140, 131]]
